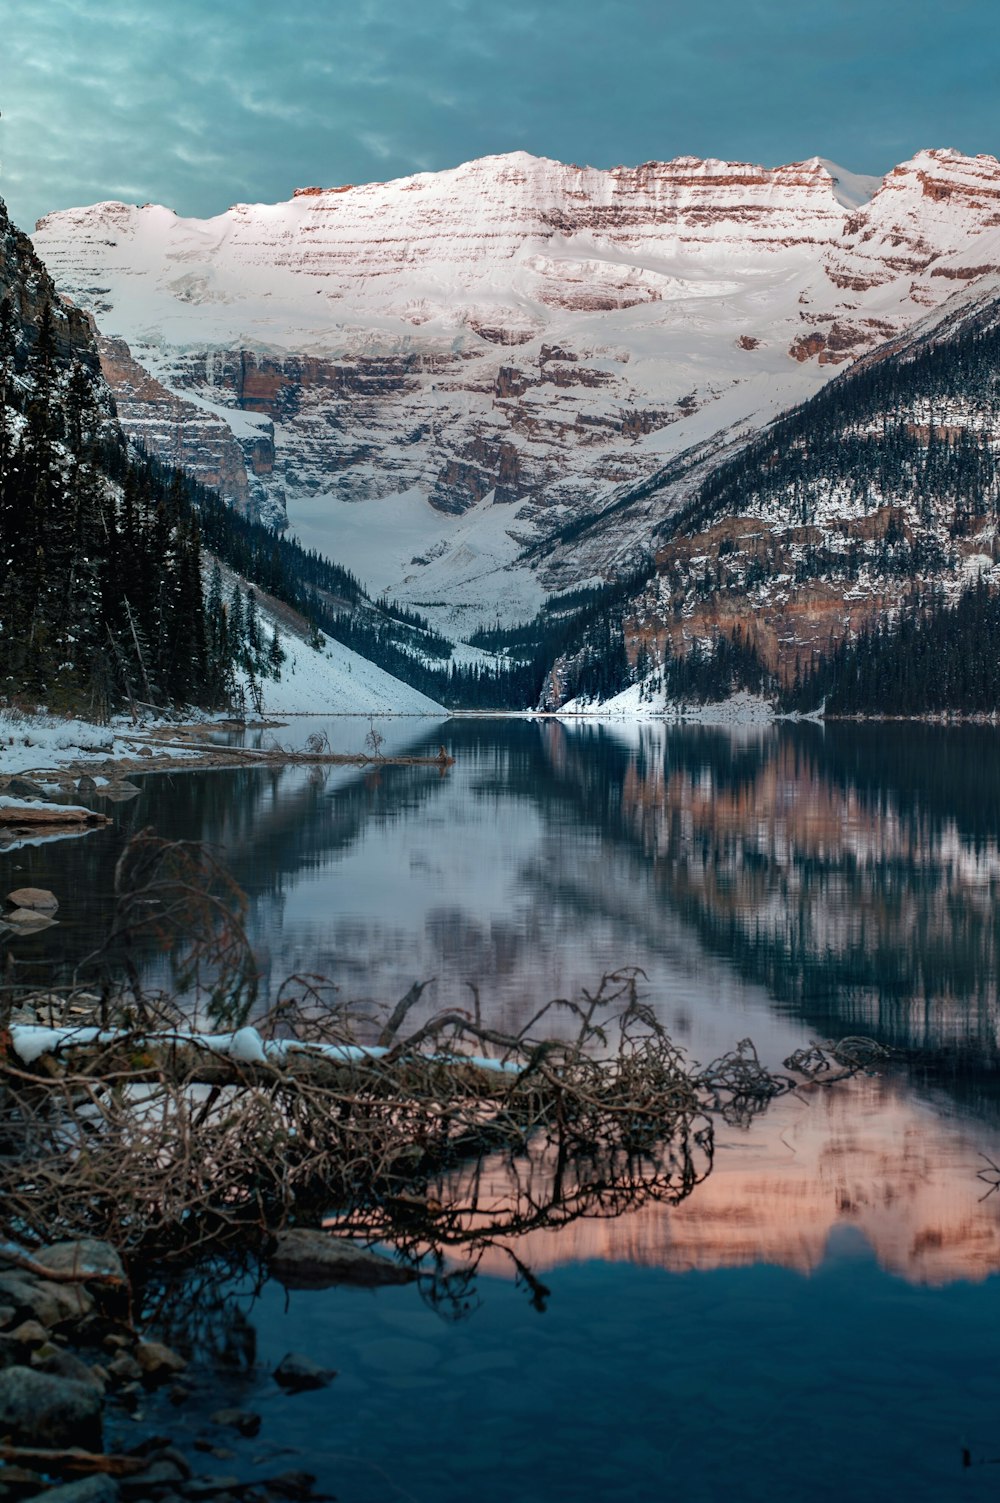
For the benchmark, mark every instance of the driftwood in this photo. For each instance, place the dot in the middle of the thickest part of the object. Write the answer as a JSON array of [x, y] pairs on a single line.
[[167, 1146], [17, 1259], [73, 1461], [278, 756], [132, 1127], [41, 817]]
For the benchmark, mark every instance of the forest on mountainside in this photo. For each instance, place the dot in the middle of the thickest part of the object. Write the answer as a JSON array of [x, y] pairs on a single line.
[[100, 574], [915, 428], [888, 479], [885, 485], [937, 657]]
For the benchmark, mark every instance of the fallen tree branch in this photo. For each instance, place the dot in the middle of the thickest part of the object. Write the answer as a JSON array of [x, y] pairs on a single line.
[[74, 1461]]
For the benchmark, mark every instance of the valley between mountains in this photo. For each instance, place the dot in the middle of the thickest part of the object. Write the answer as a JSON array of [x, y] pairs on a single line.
[[540, 406]]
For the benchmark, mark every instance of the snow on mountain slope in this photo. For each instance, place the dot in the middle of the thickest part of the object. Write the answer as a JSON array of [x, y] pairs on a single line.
[[329, 679], [337, 681], [512, 341]]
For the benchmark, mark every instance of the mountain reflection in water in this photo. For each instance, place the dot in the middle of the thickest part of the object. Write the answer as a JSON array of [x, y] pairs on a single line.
[[782, 882], [862, 1154]]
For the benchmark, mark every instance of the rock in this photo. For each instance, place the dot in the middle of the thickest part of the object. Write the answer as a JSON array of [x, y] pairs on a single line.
[[158, 1362], [25, 788], [60, 1364], [117, 793], [33, 897], [28, 918], [293, 1485], [304, 1259], [144, 751], [85, 1255], [11, 1352], [86, 784], [38, 1409], [210, 1487], [20, 1482], [297, 1373], [88, 1490], [48, 1303], [161, 1450], [29, 1333], [124, 1368], [158, 1474], [243, 1420]]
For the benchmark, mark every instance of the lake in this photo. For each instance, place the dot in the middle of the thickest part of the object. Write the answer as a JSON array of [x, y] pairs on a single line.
[[821, 1317]]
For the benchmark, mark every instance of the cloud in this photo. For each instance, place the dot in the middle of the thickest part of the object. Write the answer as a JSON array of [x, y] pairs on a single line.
[[192, 105]]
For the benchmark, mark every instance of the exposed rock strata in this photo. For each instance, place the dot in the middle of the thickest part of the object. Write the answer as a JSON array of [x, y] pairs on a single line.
[[515, 331]]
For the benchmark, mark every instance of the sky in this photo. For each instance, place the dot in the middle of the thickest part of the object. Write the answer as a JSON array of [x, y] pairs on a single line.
[[199, 104]]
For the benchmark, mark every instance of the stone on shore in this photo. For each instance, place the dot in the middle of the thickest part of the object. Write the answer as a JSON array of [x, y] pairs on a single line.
[[158, 1362], [33, 897], [59, 1364], [98, 1489], [48, 1303], [29, 1333], [85, 1255], [39, 1409], [246, 1421], [304, 1259], [28, 918], [25, 788], [298, 1374]]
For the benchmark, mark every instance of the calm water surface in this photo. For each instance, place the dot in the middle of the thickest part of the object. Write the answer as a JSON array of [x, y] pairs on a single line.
[[821, 1318]]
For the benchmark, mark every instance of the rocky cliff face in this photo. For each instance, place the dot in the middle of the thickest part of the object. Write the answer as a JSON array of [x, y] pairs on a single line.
[[509, 344], [26, 283]]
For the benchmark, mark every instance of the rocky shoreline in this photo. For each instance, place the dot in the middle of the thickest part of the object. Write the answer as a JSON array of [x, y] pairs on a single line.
[[77, 1379]]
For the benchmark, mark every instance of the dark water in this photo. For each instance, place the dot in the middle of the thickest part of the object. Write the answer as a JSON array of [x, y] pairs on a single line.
[[822, 1317]]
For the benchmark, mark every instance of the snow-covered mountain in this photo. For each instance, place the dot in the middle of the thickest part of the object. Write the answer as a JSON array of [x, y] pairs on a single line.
[[485, 355]]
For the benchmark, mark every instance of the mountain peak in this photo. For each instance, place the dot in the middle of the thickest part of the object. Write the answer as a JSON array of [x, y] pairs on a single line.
[[513, 338], [852, 189]]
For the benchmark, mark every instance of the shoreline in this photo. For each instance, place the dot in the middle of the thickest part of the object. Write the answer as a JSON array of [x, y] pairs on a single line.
[[163, 747]]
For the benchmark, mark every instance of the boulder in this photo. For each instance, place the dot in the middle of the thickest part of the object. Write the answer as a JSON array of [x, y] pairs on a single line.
[[304, 1259], [124, 1369], [243, 1420], [59, 1364], [48, 1303], [25, 788], [86, 1255], [88, 1490], [39, 1409], [29, 1333], [86, 784], [158, 1362], [297, 1373], [33, 897], [28, 918]]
